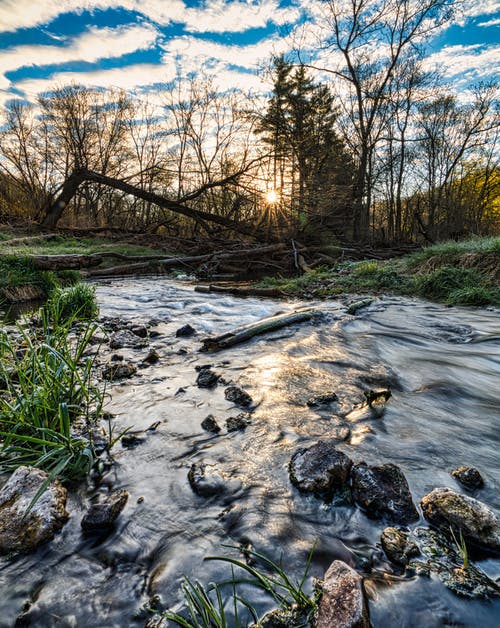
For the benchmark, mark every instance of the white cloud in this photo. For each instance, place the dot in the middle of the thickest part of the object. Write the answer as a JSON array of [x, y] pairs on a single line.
[[494, 22], [470, 63], [474, 8], [95, 44]]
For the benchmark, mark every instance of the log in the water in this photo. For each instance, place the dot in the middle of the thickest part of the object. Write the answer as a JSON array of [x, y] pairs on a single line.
[[246, 332], [241, 291]]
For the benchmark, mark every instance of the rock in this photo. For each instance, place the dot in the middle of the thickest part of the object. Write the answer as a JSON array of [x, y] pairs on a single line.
[[21, 532], [398, 548], [478, 524], [342, 603], [319, 469], [186, 331], [358, 305], [139, 329], [447, 563], [207, 378], [126, 338], [238, 422], [131, 440], [152, 357], [209, 424], [281, 618], [468, 477], [383, 492], [205, 480], [118, 370], [103, 514], [322, 400], [377, 397], [157, 621], [238, 396]]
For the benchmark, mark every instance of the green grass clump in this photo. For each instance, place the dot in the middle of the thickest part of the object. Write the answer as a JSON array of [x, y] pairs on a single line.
[[446, 280], [75, 302], [208, 608], [46, 382]]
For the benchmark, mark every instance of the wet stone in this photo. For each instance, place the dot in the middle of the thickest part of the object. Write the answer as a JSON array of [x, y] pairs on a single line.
[[445, 509], [322, 400], [103, 514], [280, 618], [130, 441], [319, 469], [468, 477], [152, 357], [441, 557], [209, 424], [383, 492], [139, 330], [120, 370], [377, 397], [186, 331], [205, 480], [342, 603], [207, 378], [397, 547], [21, 532], [126, 338], [237, 423], [238, 396]]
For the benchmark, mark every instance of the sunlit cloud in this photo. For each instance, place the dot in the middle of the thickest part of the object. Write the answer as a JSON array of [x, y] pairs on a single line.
[[473, 62], [495, 22]]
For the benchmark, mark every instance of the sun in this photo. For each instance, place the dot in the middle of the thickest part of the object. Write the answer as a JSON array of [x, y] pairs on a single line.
[[271, 196]]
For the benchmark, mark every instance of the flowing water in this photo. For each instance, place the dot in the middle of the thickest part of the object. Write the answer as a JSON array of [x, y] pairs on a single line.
[[443, 367]]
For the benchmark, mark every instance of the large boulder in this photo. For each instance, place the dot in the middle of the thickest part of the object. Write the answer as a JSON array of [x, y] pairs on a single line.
[[383, 492], [342, 603], [320, 469], [477, 523], [22, 531]]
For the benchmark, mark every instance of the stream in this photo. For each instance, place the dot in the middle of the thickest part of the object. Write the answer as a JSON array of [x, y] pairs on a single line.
[[443, 368]]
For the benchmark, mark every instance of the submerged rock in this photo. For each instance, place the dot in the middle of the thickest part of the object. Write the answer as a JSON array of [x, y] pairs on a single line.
[[468, 477], [451, 566], [207, 378], [24, 532], [397, 546], [209, 424], [118, 370], [237, 423], [103, 514], [383, 492], [186, 331], [152, 357], [342, 603], [238, 396], [319, 469], [205, 480], [139, 329], [129, 440], [377, 397], [322, 400], [281, 618], [447, 509], [354, 308]]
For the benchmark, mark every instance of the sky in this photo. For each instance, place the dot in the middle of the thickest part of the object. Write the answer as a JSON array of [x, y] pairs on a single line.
[[138, 44]]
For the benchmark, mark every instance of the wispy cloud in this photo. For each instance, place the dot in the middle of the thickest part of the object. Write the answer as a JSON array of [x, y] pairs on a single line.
[[468, 63], [494, 22]]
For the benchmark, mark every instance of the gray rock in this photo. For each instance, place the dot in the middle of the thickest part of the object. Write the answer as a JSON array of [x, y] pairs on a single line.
[[126, 338], [118, 370], [209, 424], [342, 603], [130, 441], [281, 618], [238, 396], [398, 548], [468, 477], [21, 532], [442, 558], [207, 378], [103, 514], [383, 492], [237, 423], [358, 305], [152, 357], [478, 524], [322, 400], [139, 329], [320, 469]]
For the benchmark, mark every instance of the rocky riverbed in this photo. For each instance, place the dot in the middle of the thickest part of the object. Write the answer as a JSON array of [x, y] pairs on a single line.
[[343, 429]]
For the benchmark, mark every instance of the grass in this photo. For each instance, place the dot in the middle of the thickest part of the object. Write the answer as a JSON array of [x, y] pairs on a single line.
[[207, 607], [75, 302], [47, 389], [457, 273]]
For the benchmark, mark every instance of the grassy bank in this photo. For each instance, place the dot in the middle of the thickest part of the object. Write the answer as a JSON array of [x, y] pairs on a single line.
[[458, 273]]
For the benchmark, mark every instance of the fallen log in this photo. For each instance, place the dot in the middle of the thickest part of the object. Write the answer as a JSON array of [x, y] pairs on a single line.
[[241, 291], [264, 326], [64, 262]]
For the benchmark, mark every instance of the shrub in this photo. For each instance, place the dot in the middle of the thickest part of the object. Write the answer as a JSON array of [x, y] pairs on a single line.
[[75, 302]]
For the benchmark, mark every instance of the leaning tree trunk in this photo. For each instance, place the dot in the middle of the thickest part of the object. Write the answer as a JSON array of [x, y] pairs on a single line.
[[70, 187]]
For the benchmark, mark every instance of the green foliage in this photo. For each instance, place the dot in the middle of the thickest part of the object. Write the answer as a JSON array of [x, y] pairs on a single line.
[[75, 302], [442, 282], [46, 379], [461, 547], [205, 608]]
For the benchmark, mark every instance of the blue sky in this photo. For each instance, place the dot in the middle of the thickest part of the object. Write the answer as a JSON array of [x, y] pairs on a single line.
[[137, 44]]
